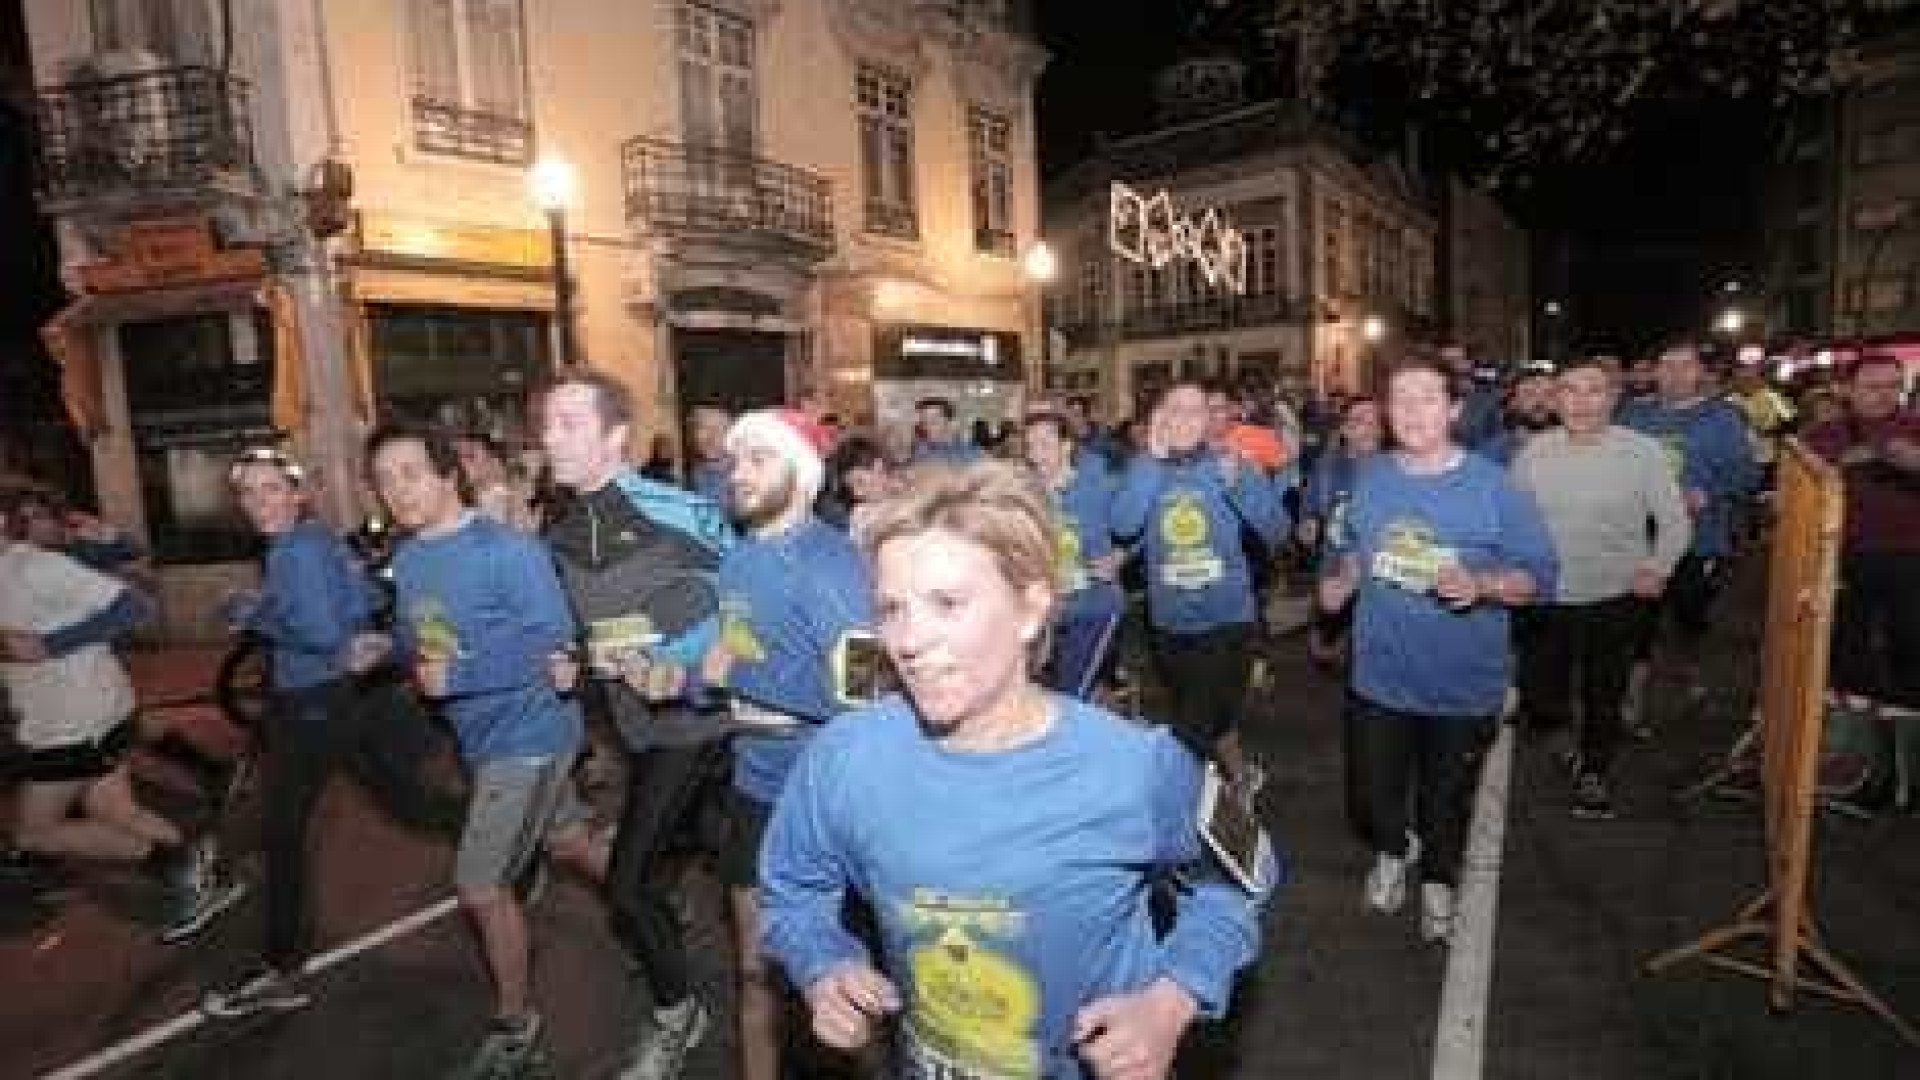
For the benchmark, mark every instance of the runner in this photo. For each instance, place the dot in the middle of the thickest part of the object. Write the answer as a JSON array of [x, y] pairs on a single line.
[[313, 612], [1597, 486], [1706, 443], [1191, 500], [1876, 630], [58, 623], [707, 471], [628, 549], [1088, 564], [940, 437], [1323, 507], [481, 619], [796, 604], [1436, 545], [1007, 838]]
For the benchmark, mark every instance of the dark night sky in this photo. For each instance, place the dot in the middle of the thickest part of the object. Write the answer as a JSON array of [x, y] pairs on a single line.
[[1634, 242]]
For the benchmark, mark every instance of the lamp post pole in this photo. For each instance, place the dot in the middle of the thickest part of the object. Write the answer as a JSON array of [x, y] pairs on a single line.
[[1041, 267], [552, 181]]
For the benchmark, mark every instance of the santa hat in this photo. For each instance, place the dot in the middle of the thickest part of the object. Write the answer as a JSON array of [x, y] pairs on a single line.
[[795, 436]]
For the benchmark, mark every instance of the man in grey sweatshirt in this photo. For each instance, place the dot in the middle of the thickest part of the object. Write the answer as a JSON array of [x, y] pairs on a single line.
[[1598, 486]]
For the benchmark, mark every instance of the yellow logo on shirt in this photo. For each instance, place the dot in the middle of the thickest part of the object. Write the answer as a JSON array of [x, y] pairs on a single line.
[[736, 632], [973, 1010], [1191, 562]]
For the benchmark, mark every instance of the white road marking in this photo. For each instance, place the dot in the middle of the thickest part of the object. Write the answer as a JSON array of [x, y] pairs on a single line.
[[168, 1030], [1459, 1039]]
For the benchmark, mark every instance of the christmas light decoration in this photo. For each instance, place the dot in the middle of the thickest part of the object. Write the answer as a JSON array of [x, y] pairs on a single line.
[[1148, 231]]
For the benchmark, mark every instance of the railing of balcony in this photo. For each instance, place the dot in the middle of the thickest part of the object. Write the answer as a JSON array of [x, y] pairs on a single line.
[[676, 187], [168, 129], [447, 127], [900, 221]]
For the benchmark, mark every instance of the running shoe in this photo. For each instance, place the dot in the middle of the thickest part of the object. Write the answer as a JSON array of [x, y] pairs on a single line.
[[1591, 799], [1436, 911], [510, 1050], [661, 1051], [264, 989], [195, 908], [1386, 888]]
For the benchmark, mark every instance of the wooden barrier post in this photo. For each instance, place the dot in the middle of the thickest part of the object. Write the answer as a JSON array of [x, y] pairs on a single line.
[[1801, 581]]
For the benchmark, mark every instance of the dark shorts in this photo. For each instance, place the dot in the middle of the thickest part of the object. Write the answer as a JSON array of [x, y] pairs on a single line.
[[1206, 675], [78, 761], [746, 828]]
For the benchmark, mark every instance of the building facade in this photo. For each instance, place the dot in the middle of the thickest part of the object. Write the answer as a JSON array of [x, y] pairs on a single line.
[[1487, 281], [320, 216], [1333, 244], [1844, 262]]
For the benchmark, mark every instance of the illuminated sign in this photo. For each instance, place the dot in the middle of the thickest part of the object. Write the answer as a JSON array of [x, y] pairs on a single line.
[[1148, 231]]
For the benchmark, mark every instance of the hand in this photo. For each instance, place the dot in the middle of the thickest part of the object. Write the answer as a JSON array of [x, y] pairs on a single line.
[[563, 670], [715, 665], [1458, 587], [847, 1000], [1648, 583], [1338, 587], [431, 673], [1107, 567], [652, 679], [1903, 453], [1134, 1036], [1157, 436], [366, 651], [1696, 500], [22, 646]]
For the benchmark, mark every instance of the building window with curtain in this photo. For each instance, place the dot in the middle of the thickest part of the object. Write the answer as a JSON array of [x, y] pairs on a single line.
[[469, 80], [718, 99], [990, 165], [885, 101], [178, 30], [466, 369]]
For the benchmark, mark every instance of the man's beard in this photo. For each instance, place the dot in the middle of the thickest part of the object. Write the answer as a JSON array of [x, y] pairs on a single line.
[[767, 505]]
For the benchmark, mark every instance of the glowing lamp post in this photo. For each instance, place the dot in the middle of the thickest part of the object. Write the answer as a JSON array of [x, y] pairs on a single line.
[[552, 184]]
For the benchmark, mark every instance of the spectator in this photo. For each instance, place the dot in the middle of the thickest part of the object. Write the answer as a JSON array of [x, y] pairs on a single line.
[[940, 438]]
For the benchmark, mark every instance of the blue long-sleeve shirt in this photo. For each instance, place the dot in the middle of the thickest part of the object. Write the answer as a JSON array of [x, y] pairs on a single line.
[[313, 600], [788, 603], [1410, 650], [1011, 887], [1083, 508], [1190, 519], [490, 596], [1707, 443]]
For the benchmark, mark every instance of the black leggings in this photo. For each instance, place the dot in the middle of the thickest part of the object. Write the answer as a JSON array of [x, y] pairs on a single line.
[[381, 736], [1689, 597], [1597, 640], [1430, 765], [1206, 675], [1876, 627], [666, 790]]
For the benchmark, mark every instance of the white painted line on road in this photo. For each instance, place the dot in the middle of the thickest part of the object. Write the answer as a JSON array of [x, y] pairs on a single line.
[[1459, 1039], [168, 1030]]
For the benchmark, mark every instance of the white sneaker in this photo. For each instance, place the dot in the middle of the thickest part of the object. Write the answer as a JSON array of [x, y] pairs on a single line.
[[1436, 911], [1387, 884]]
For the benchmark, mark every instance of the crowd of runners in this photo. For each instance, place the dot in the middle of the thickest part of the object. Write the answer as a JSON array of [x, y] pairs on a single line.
[[960, 831]]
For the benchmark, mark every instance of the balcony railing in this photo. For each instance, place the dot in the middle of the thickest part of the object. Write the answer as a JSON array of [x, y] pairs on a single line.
[[165, 130], [1197, 316], [672, 187], [900, 221], [446, 127]]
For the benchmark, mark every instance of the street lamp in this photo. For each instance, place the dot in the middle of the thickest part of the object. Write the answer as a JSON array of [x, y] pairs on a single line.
[[1041, 268], [552, 183], [1732, 321], [1373, 331]]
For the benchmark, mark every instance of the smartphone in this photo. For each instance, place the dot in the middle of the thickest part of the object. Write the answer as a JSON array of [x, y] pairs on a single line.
[[862, 672], [1232, 832]]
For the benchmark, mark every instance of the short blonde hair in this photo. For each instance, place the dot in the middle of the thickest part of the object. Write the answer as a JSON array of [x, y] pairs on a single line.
[[995, 504]]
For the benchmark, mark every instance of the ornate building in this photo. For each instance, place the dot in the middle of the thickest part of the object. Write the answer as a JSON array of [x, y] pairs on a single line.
[[320, 216], [1334, 244]]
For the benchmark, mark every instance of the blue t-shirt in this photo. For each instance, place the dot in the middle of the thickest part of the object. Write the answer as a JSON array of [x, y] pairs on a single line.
[[788, 603], [313, 600], [1190, 522], [1411, 651], [489, 594], [1706, 442], [1083, 512], [709, 478], [1011, 888]]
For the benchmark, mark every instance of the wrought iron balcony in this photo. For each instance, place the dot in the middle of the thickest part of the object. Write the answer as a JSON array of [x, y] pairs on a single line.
[[165, 130], [677, 188], [1194, 316], [448, 127], [893, 219]]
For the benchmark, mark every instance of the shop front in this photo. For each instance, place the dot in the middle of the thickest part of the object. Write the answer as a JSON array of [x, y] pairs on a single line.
[[980, 370]]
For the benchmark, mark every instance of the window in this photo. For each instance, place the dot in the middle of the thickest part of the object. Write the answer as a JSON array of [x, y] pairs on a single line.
[[176, 29], [1263, 263], [470, 80], [718, 100], [195, 401], [1334, 253], [885, 101], [990, 150], [467, 369]]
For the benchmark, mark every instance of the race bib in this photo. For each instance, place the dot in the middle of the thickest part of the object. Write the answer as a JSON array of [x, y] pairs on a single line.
[[1410, 558], [1190, 561], [1069, 567]]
